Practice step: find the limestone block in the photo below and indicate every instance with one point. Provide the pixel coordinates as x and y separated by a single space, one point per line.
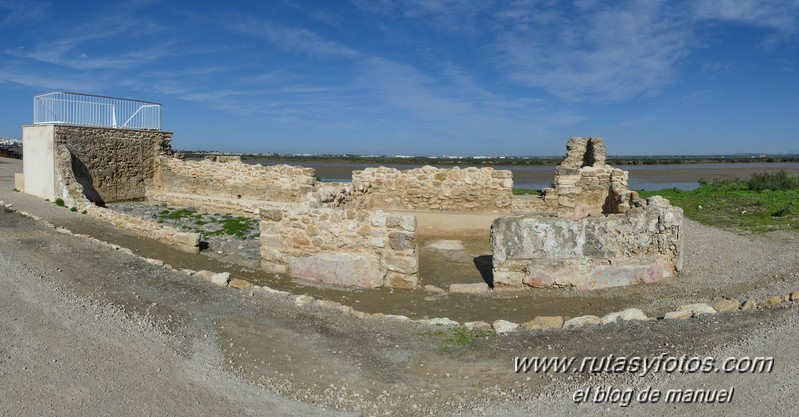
475 288
19 182
504 326
221 278
273 267
582 321
402 241
770 302
434 289
240 283
354 269
439 321
544 323
723 306
477 326
206 275
625 315
406 222
697 309
678 315
402 281
400 263
187 239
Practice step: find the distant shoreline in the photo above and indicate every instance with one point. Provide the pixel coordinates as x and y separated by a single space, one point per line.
507 160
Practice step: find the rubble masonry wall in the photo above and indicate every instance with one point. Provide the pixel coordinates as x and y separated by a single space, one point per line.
228 184
433 189
361 248
642 245
106 165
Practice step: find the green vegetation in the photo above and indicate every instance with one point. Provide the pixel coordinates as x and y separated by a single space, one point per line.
73 209
211 225
15 190
456 337
765 202
60 202
526 191
176 214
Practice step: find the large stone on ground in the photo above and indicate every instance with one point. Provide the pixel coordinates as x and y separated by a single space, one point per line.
476 288
477 326
581 321
771 301
544 323
626 315
679 315
697 309
187 239
353 269
504 326
401 281
725 305
240 283
221 279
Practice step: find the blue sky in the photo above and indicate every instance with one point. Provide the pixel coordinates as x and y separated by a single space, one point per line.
455 77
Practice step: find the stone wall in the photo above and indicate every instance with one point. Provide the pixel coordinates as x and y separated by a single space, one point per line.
546 204
187 242
228 182
642 245
360 248
105 165
429 188
585 185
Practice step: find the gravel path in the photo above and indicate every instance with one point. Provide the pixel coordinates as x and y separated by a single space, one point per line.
63 354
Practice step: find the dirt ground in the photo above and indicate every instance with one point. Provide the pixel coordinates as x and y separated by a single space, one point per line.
89 330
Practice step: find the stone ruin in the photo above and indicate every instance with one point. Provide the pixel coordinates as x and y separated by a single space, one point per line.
603 235
589 231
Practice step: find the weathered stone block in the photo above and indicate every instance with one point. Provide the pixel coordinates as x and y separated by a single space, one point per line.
187 239
354 269
476 288
405 222
402 241
401 281
400 263
544 323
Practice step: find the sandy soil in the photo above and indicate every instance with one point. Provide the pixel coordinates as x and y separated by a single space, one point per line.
88 330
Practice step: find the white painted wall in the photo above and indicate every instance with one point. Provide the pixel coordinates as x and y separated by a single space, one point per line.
38 161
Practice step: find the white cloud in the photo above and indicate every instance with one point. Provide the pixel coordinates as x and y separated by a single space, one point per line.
456 16
780 16
602 54
20 12
292 39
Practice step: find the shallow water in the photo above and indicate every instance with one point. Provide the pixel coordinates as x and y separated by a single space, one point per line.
642 177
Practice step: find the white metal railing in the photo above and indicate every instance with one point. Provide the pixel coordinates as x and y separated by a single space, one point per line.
91 110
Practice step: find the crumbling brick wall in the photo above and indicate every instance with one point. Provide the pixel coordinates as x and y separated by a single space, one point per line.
361 248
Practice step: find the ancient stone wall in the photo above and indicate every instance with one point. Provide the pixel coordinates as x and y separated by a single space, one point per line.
429 188
361 248
546 204
105 165
642 245
228 179
585 185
